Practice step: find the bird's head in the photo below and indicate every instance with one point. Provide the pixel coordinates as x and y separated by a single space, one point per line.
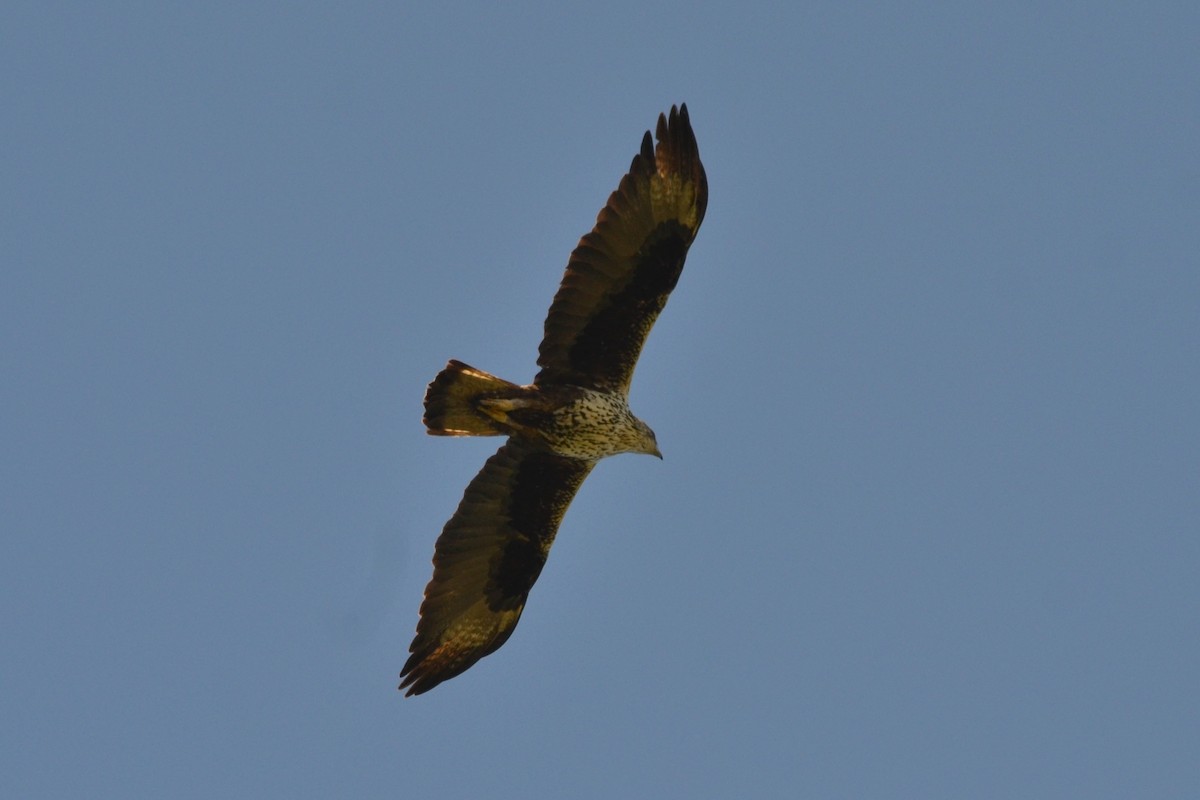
645 441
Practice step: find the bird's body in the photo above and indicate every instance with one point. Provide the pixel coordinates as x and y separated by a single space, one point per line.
575 413
571 421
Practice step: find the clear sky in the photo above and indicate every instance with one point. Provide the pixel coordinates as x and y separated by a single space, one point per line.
928 393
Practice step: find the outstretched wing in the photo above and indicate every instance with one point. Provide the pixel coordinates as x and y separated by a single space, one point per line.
620 274
487 558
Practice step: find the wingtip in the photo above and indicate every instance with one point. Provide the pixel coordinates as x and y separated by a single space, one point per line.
677 115
676 127
416 678
673 131
421 672
674 119
412 687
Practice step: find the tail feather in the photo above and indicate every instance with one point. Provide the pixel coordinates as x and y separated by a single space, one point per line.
451 401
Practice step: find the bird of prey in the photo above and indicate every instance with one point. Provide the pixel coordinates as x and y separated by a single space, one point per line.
573 414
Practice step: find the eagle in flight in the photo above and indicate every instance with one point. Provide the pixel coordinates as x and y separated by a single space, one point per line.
574 413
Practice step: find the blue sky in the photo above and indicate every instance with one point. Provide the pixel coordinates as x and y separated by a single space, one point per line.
927 393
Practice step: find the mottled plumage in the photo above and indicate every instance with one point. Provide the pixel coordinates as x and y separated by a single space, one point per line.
573 414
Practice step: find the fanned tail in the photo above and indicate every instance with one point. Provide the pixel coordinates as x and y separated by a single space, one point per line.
452 401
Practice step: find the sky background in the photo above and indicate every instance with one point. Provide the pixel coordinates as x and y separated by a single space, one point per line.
928 392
